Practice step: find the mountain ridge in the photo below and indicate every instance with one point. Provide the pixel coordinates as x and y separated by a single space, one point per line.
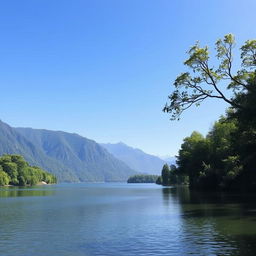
71 157
136 158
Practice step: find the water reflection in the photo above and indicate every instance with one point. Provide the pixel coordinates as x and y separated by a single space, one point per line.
25 191
215 223
124 220
167 195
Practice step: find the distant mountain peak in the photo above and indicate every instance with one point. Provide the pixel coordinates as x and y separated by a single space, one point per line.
136 158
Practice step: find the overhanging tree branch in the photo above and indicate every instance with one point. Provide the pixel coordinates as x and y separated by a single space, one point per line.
192 88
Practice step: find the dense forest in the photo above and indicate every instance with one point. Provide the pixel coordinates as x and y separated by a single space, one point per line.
14 170
225 158
142 178
171 175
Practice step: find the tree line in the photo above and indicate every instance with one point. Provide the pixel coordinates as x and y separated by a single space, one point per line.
142 178
225 158
14 170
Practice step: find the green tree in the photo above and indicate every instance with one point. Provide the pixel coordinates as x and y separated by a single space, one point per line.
244 145
193 154
216 161
173 175
4 178
159 180
19 161
11 169
19 172
204 81
165 175
226 157
142 178
220 140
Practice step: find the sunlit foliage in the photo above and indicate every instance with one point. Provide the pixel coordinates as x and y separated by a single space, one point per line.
14 170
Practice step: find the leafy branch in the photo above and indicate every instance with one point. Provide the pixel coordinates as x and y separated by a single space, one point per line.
204 81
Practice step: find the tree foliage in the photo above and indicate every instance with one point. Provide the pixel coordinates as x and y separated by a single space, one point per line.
4 178
215 161
143 178
171 176
14 170
165 175
205 81
226 157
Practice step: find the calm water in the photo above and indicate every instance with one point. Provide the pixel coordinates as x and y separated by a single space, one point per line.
124 219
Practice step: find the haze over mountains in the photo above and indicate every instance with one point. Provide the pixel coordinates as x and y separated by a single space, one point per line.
73 158
136 158
168 159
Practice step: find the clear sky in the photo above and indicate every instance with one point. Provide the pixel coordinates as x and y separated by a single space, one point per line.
103 68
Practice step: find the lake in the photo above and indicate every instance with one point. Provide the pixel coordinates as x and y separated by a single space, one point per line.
124 219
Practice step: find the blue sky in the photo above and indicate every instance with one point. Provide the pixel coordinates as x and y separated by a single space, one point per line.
103 69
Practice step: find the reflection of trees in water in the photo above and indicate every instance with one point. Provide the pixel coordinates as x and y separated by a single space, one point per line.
215 223
166 192
179 194
14 192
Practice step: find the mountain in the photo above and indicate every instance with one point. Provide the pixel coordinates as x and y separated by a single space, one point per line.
70 157
136 158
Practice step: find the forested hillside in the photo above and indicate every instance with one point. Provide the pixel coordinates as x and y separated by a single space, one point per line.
72 158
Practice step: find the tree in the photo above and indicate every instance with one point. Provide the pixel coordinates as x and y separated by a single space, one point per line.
159 180
11 169
142 178
224 159
194 153
244 141
220 140
4 178
19 161
15 170
173 178
165 175
205 81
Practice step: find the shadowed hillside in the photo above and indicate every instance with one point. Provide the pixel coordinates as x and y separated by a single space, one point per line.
70 157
